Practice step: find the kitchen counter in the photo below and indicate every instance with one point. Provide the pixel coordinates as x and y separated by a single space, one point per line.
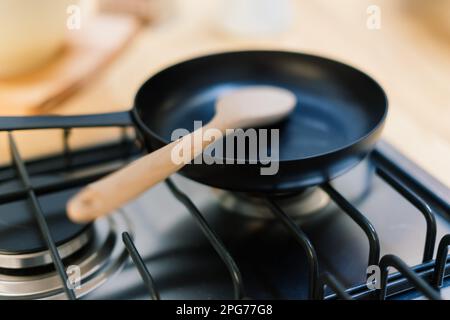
408 57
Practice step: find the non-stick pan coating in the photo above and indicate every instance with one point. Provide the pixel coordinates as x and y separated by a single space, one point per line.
338 118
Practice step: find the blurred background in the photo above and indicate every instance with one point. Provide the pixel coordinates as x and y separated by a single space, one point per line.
90 56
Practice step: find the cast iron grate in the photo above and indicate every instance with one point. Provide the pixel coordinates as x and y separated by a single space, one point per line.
426 277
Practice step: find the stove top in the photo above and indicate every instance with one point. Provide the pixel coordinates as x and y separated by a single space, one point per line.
184 240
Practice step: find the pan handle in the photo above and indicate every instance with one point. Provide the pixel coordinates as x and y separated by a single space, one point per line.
114 119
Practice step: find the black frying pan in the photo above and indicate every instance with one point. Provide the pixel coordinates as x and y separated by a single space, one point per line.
339 118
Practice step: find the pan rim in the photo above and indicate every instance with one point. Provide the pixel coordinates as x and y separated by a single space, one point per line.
378 127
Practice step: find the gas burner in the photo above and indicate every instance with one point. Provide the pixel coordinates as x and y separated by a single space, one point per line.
20 262
101 258
299 206
94 251
22 245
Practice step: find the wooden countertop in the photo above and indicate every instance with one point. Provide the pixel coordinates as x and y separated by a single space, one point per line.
409 59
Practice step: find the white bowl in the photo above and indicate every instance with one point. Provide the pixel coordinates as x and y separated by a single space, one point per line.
31 32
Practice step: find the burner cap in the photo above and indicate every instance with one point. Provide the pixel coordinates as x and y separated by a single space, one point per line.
19 231
97 262
299 205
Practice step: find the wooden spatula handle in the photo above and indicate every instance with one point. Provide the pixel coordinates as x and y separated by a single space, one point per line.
115 190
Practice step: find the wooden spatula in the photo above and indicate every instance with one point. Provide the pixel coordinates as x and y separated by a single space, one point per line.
243 108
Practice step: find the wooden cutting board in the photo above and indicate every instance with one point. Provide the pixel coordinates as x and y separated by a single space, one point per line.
88 50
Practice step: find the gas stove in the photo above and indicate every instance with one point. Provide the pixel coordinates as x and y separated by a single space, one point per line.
184 240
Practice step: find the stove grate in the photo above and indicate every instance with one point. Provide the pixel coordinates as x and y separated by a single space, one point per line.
426 277
420 204
39 216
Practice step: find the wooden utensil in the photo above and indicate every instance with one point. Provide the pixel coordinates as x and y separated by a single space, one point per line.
247 107
87 51
147 10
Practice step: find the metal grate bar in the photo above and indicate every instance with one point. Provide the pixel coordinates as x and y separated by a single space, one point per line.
360 219
213 239
40 219
420 204
441 259
420 284
302 239
124 138
54 186
80 159
140 265
402 168
59 165
331 282
66 147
